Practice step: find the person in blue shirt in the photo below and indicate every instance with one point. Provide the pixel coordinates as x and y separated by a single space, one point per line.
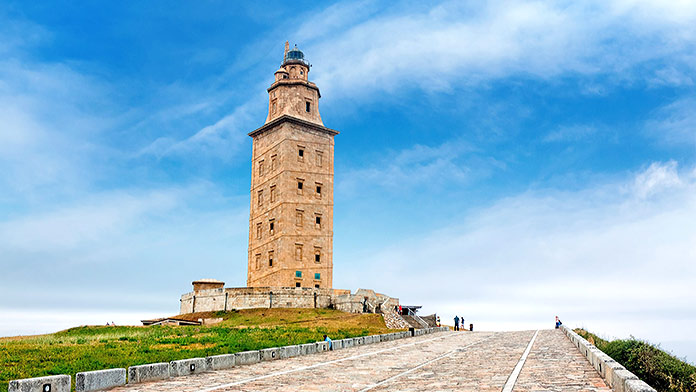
328 339
456 323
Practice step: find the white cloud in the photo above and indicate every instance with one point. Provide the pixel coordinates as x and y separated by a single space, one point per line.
621 252
454 44
675 123
78 226
47 131
657 178
571 133
129 249
446 164
221 139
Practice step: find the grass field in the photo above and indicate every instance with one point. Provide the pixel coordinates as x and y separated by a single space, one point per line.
101 347
659 369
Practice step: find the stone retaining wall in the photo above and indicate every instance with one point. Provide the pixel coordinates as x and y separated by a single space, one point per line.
224 299
620 379
101 379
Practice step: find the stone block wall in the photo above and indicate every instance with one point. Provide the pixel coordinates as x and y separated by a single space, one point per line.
285 297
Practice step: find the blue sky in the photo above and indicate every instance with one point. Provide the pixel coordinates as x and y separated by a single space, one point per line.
506 161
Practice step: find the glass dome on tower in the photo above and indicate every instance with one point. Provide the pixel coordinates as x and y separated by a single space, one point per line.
295 56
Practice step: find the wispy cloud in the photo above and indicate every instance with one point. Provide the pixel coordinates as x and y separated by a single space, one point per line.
220 140
675 123
572 133
459 44
53 118
447 164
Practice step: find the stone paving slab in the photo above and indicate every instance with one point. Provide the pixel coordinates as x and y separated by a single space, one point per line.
446 361
555 364
480 367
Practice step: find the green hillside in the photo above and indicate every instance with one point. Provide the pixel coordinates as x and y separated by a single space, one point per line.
102 347
660 370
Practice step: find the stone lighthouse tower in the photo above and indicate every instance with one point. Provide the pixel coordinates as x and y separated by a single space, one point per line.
291 214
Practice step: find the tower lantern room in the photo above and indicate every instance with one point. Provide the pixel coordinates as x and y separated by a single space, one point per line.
292 93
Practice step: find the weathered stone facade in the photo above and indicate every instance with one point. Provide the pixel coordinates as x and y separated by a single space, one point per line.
291 214
225 299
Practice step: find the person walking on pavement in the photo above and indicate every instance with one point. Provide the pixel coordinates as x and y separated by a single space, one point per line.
456 323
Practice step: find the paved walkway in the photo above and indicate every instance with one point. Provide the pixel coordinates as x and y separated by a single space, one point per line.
447 361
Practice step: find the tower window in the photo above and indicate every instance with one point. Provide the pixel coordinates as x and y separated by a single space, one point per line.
270 258
274 158
300 185
317 222
298 284
316 286
298 218
298 274
300 154
260 198
319 156
258 261
274 107
273 193
308 107
298 251
261 168
319 189
258 231
317 276
317 258
271 227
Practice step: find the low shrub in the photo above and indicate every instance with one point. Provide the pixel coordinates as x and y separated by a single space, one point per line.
661 370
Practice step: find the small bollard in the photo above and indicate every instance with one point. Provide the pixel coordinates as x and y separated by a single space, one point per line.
471 327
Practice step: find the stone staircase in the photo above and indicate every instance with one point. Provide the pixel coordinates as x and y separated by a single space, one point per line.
415 321
431 320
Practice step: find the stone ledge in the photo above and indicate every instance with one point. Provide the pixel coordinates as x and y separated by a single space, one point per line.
220 362
148 372
99 379
620 379
40 384
247 357
270 354
185 367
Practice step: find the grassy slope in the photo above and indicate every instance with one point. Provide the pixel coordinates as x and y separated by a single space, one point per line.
101 347
659 369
